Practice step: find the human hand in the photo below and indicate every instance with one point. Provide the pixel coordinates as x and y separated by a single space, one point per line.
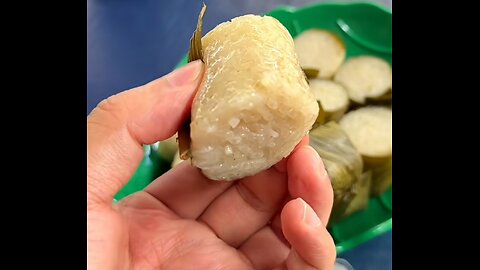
273 220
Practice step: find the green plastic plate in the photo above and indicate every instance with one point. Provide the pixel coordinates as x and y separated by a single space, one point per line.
153 165
366 29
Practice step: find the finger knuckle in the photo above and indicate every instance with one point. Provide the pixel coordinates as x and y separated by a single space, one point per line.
108 112
110 104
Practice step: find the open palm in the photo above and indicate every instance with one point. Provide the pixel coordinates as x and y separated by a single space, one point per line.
275 219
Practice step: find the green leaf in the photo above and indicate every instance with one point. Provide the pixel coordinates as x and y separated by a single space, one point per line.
310 72
195 52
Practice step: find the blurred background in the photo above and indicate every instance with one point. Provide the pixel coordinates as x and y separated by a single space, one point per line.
132 42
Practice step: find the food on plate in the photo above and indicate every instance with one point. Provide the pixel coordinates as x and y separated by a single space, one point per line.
342 161
365 77
321 51
332 96
370 130
381 178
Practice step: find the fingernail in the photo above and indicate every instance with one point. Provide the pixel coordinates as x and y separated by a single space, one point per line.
309 216
315 155
318 162
185 75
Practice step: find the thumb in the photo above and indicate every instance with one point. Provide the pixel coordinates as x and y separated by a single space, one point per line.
119 126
